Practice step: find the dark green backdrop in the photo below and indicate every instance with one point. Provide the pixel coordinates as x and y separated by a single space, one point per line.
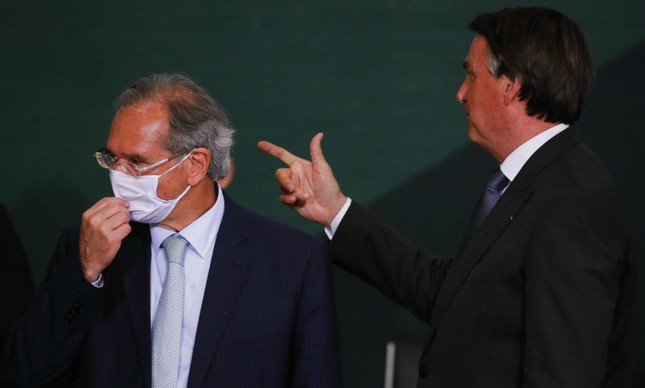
378 77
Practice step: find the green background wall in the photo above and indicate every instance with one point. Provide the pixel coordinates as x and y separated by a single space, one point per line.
378 77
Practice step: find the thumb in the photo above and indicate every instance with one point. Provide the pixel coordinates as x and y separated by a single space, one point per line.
315 150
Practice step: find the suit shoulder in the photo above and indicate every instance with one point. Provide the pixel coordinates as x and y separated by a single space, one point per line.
261 227
274 229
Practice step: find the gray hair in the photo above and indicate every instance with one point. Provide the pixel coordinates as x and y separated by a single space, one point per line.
195 118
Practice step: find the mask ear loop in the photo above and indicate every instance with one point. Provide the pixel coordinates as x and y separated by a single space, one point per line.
176 200
182 194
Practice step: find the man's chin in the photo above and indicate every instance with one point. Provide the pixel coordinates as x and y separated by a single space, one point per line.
472 135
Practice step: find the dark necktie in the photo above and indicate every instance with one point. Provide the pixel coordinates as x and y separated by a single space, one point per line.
491 194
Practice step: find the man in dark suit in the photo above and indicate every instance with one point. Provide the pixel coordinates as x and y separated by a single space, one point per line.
249 299
541 293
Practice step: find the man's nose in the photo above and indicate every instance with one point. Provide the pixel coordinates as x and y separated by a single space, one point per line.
461 93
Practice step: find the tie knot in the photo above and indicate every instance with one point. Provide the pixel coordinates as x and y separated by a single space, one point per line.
175 246
498 181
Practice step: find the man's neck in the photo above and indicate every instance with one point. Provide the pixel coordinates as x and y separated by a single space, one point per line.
193 205
525 129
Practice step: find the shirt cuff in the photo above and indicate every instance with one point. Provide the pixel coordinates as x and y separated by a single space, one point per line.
330 230
98 283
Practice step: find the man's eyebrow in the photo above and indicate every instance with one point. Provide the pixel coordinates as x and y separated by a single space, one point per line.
134 158
465 65
130 157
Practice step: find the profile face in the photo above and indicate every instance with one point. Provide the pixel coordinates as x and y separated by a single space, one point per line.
482 96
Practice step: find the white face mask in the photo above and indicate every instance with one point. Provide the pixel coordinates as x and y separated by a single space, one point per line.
141 193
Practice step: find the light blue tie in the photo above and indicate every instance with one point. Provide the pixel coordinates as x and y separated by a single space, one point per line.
166 328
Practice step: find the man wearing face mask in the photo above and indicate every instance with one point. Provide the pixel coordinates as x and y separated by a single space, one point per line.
170 283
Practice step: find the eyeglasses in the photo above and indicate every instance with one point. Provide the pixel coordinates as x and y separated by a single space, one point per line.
109 161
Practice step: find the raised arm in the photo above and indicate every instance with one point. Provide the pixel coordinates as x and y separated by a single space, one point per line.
308 187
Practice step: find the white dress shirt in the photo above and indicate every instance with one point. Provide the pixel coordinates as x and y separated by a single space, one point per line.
201 236
514 162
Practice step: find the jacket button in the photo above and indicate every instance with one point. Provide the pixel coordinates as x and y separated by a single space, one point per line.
423 371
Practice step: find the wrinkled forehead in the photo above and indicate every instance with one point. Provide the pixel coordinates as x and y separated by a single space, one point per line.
139 129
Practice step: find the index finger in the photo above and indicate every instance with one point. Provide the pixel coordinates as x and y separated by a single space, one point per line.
105 203
277 152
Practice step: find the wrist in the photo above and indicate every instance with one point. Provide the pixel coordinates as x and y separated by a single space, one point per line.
336 208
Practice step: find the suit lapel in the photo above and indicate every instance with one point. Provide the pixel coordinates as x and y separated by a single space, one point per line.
134 259
230 263
502 215
498 220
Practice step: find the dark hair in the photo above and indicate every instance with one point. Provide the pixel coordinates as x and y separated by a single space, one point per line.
547 51
195 118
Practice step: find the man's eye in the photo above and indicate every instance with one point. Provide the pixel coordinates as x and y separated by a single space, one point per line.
136 162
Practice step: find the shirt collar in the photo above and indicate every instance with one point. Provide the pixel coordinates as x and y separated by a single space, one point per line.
200 234
514 162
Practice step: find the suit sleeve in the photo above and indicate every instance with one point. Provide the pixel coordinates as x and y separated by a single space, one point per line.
316 362
371 250
46 340
576 277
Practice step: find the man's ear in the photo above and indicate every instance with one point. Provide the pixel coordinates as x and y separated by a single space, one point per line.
511 89
200 160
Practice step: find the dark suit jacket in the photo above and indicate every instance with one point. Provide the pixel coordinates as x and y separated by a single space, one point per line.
16 286
267 318
540 296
